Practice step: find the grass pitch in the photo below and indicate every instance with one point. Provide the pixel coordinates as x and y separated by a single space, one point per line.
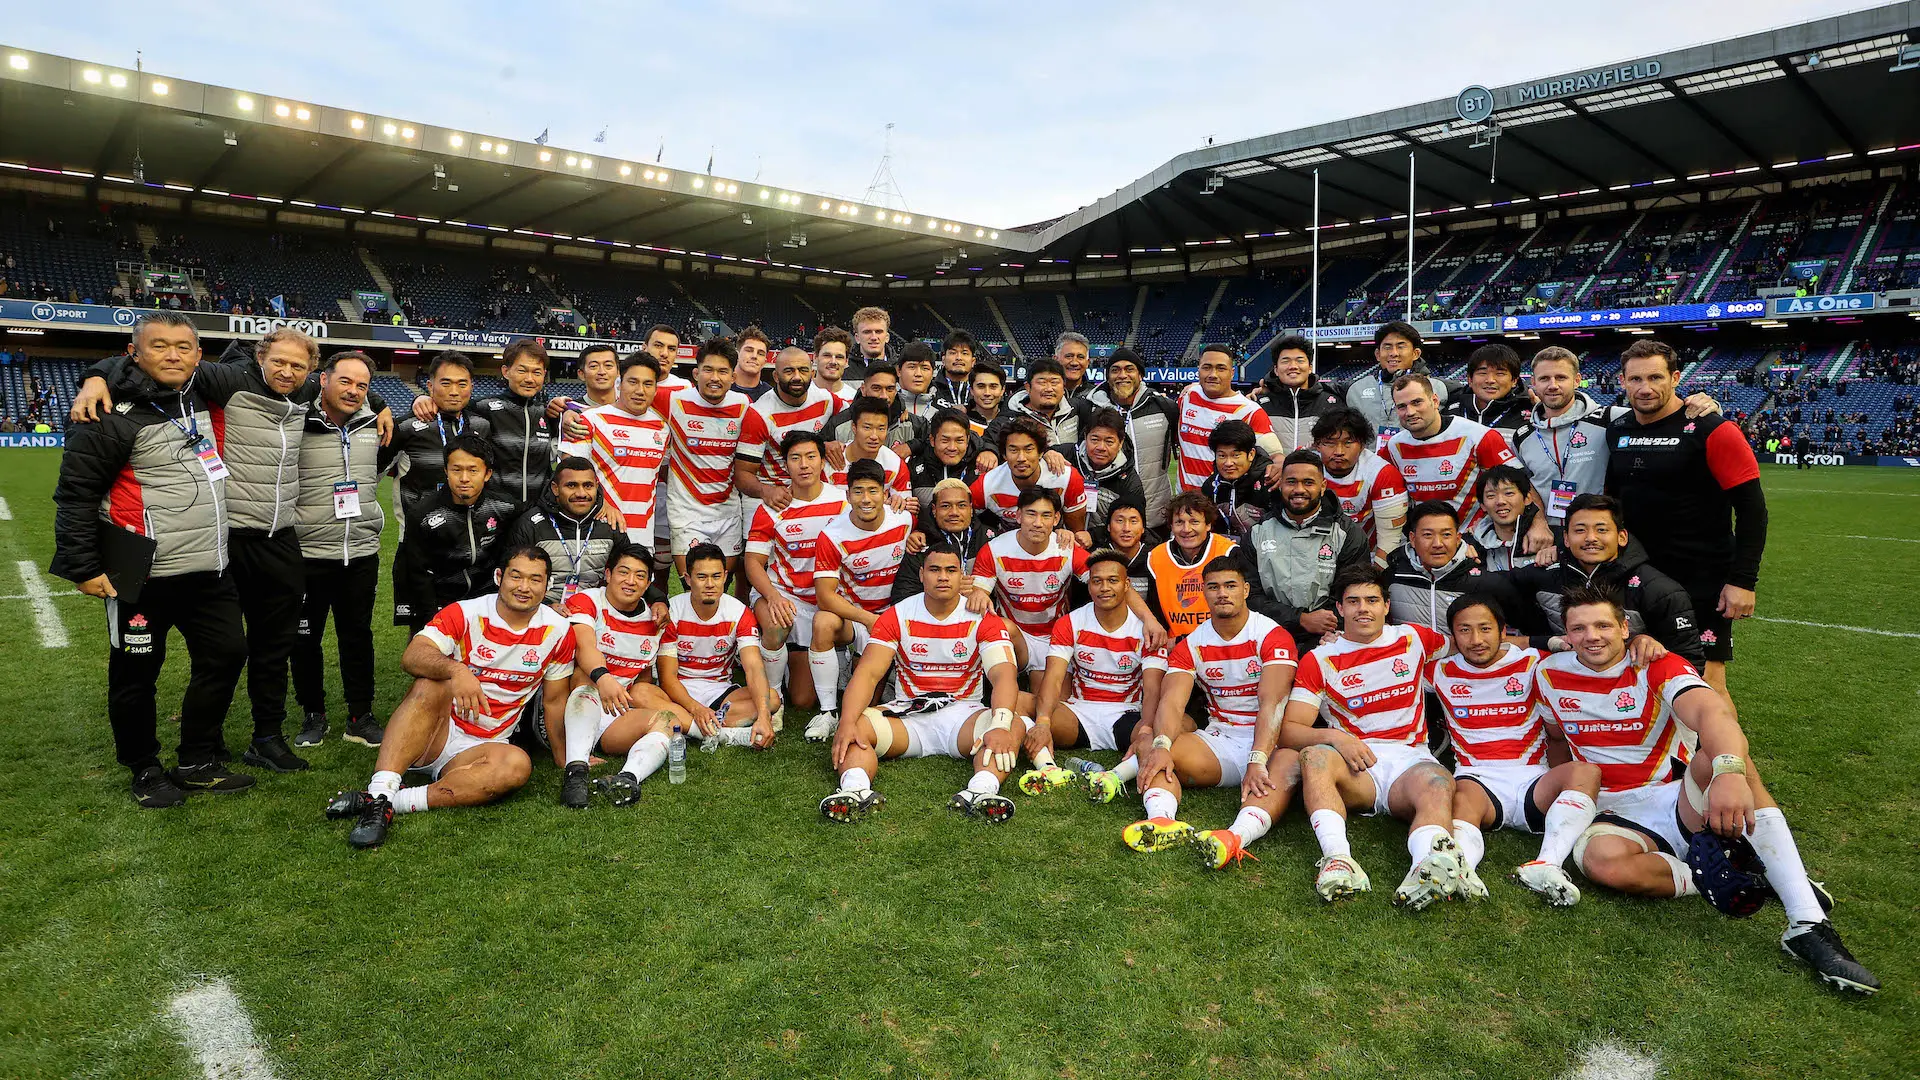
721 929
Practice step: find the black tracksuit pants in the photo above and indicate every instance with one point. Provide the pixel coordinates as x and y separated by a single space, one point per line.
205 608
344 589
267 571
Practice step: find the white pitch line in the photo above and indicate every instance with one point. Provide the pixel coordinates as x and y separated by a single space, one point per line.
1837 626
54 595
53 632
6 512
1609 1060
1889 539
1840 491
215 1026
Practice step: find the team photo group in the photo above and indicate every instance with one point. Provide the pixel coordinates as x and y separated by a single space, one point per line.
1503 603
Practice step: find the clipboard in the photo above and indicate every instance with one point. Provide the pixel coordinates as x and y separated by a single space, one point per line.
127 558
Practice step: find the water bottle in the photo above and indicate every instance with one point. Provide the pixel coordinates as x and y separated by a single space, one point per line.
677 757
713 742
1082 765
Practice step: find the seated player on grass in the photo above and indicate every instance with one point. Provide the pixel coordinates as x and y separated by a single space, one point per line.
1513 770
475 666
707 633
1713 829
1244 663
1372 755
949 659
1100 678
615 701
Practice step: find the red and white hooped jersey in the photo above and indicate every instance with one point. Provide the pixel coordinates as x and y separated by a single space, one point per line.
770 419
706 649
863 563
510 664
1373 690
1034 588
702 440
1374 486
786 538
996 490
1199 415
629 643
629 454
1446 466
1491 711
1104 665
939 656
1230 667
1620 719
890 461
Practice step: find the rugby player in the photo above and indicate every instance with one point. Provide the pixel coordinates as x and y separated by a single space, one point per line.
627 443
1029 571
831 347
1244 662
1372 755
1204 405
707 633
475 667
868 442
855 560
1369 487
599 368
704 427
1513 769
780 553
1659 835
616 701
793 404
1441 456
997 490
1100 678
949 658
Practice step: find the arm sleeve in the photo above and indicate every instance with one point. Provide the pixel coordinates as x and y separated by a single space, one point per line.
1181 658
826 558
447 630
886 630
580 610
1076 496
1061 644
1749 531
983 570
1493 450
89 463
760 538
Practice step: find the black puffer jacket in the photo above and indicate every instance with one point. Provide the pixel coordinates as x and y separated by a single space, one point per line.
1503 414
451 550
1118 482
522 443
1656 604
420 451
1293 410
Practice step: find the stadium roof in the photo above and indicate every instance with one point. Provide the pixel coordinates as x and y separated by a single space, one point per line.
1749 110
1759 106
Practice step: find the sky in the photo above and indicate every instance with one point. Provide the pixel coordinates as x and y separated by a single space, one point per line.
1004 112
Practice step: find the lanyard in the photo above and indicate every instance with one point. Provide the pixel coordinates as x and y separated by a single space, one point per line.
572 556
1553 451
459 427
191 429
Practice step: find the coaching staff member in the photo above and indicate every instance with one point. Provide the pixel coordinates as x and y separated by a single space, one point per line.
150 468
1691 491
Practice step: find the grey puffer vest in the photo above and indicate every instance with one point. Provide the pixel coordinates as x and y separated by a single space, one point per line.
332 455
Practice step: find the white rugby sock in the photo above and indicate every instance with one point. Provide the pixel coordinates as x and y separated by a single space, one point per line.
855 780
1472 844
580 739
410 800
1420 841
776 661
1330 828
1159 802
1785 872
1128 768
1251 824
1682 875
384 783
825 668
984 783
647 755
1567 818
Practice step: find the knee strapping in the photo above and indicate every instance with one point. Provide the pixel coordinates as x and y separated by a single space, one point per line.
882 731
1603 828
